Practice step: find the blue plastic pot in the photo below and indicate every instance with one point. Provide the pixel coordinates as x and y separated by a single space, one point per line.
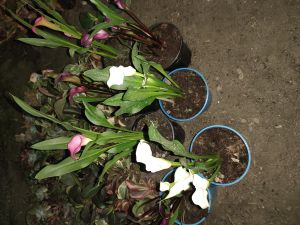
243 139
210 200
201 110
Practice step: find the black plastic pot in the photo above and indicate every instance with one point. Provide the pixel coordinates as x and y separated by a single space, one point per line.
174 53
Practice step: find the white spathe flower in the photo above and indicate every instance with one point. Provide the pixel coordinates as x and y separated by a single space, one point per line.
182 180
144 155
199 197
117 74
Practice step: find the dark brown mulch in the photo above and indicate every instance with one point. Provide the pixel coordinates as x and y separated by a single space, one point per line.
171 40
194 95
230 147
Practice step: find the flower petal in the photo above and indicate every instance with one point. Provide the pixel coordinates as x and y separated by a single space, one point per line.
164 186
101 35
116 76
129 71
143 152
154 164
74 145
199 197
200 182
181 174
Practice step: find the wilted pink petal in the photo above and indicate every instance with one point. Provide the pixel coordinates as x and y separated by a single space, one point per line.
75 144
121 4
164 222
42 21
101 35
115 28
86 40
74 91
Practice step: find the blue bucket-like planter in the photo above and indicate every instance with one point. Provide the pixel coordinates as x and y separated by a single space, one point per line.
202 109
210 200
244 141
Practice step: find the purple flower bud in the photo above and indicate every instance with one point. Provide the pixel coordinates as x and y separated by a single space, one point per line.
164 222
74 91
121 4
101 35
86 41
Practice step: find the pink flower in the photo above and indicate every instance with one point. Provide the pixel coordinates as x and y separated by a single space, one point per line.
121 4
75 144
101 35
74 91
86 40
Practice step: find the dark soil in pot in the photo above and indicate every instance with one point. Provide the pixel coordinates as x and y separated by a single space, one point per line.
190 213
231 149
194 95
173 53
166 130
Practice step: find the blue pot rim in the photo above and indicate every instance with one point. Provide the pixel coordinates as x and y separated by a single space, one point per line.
209 200
206 98
243 139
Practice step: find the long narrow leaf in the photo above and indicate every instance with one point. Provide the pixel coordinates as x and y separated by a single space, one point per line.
40 42
52 144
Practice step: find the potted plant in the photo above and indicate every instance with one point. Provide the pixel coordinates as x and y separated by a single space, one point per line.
161 43
188 213
195 98
232 148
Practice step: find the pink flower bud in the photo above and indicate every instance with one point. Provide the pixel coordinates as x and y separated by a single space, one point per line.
74 91
74 146
101 35
86 41
121 4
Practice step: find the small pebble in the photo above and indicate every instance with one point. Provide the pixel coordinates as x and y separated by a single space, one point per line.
240 73
219 88
278 126
256 120
243 121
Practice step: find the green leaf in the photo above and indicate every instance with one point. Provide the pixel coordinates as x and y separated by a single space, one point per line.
99 75
50 11
52 144
132 107
173 146
135 60
69 165
59 107
115 100
114 18
122 190
138 208
96 116
82 98
127 149
87 20
72 52
40 42
174 216
143 93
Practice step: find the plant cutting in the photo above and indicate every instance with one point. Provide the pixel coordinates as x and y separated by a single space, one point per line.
141 87
232 148
65 35
195 96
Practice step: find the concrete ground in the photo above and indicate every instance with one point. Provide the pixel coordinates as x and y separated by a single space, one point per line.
250 53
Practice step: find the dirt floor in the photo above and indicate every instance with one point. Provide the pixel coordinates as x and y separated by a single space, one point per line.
250 53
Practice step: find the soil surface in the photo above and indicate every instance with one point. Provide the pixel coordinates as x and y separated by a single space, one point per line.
229 146
250 53
171 40
193 92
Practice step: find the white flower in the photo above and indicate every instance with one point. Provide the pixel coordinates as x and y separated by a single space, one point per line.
117 74
144 155
182 180
199 197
